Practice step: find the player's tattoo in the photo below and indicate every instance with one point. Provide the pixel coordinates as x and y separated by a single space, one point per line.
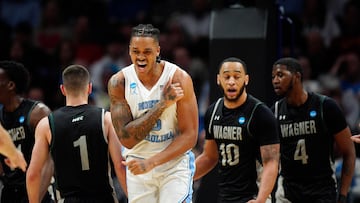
143 128
172 97
114 82
270 152
122 119
120 114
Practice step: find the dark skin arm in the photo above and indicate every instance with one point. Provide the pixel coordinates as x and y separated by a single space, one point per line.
346 148
207 160
270 158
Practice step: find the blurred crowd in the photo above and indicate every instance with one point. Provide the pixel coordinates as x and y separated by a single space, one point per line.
48 35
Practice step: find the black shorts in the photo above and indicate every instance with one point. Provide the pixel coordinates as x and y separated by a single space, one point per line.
315 191
19 195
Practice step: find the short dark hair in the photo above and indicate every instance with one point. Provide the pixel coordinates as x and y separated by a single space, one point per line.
17 73
147 30
292 64
75 77
234 59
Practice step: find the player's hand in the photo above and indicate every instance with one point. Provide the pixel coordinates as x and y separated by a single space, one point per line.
172 93
138 166
356 138
16 161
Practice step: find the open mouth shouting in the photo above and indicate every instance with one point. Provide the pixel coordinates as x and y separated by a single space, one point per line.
231 92
141 66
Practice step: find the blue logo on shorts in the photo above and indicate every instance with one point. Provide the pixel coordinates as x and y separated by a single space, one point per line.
313 113
241 120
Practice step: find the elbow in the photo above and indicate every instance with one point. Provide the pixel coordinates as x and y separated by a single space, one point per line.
119 168
194 139
32 176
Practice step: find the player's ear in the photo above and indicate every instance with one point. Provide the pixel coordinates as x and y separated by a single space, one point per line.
218 79
11 85
89 88
63 91
246 80
298 76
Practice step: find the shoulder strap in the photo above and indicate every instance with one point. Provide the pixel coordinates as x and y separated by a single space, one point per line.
322 99
213 114
251 115
52 129
276 111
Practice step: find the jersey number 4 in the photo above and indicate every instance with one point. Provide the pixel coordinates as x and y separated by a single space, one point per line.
229 154
300 152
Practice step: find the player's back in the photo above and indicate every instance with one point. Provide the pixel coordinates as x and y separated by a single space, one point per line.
79 149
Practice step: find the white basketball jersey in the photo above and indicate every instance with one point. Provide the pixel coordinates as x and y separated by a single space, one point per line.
140 100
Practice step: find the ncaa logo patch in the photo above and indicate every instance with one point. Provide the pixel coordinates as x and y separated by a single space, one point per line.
241 120
313 113
133 86
21 119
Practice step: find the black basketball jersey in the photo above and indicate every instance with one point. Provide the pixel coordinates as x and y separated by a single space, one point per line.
307 137
79 149
17 123
239 133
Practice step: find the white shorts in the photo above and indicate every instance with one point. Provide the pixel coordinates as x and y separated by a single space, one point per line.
171 182
280 193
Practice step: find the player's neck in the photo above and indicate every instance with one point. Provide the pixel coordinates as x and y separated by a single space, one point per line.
150 79
76 101
12 103
297 97
234 104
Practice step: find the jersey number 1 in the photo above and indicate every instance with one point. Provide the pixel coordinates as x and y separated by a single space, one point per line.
81 143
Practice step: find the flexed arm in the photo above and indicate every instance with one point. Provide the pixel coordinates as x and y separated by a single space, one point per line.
130 131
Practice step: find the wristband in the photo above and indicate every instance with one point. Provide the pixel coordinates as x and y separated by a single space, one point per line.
342 198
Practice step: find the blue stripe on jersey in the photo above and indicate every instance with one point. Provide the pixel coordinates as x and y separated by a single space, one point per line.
188 197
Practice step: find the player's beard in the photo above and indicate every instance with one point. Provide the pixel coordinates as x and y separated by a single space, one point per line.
234 99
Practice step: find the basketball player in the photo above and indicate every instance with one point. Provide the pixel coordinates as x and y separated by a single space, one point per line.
19 116
311 124
239 130
155 115
79 138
